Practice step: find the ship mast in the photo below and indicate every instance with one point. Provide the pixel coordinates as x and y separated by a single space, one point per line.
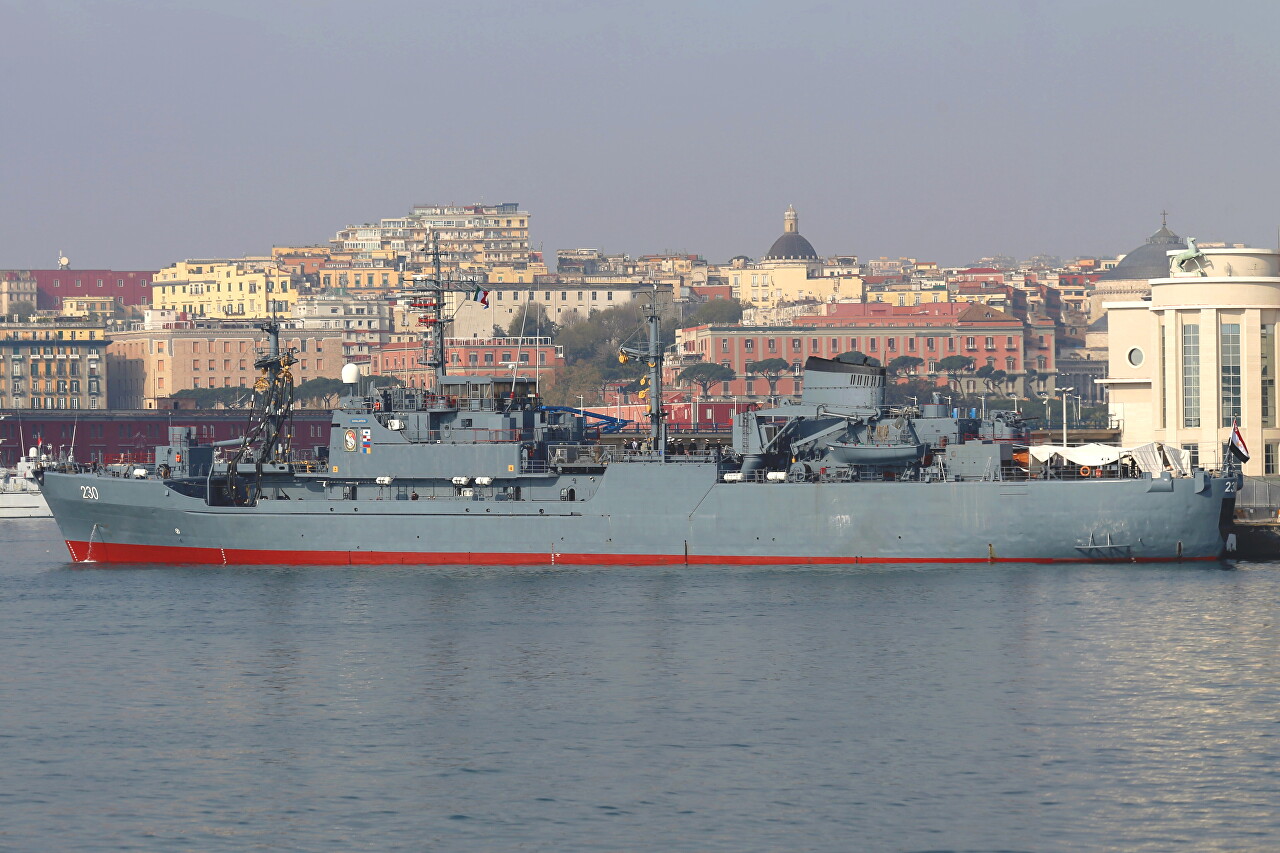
426 299
269 436
653 359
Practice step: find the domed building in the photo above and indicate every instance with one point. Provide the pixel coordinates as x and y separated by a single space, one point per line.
1130 279
791 279
791 246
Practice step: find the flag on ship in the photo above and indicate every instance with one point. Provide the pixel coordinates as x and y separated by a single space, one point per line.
480 295
1238 448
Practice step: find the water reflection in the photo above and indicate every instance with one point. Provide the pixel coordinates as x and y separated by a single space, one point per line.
988 707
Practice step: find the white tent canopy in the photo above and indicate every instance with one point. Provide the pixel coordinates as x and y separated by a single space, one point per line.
1152 457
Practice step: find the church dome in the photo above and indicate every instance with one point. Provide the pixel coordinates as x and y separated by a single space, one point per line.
791 246
1150 260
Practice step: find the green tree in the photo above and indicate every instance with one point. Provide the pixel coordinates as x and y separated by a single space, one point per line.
719 312
905 365
771 369
704 374
23 310
531 320
322 392
216 398
953 366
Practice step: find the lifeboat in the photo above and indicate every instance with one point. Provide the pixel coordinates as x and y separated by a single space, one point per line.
874 454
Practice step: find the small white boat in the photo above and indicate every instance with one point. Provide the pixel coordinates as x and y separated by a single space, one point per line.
20 495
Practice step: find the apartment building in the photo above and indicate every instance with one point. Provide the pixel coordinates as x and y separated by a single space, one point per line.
239 288
150 361
53 365
467 235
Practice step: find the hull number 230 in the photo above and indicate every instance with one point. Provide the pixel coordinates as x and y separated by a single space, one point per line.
89 493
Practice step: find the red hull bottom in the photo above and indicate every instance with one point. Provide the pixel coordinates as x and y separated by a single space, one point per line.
104 552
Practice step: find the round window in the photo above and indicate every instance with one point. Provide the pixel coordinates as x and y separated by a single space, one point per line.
1135 357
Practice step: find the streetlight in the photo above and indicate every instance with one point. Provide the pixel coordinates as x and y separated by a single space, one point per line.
1066 392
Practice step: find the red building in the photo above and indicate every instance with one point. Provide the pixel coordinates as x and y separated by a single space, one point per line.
930 332
126 287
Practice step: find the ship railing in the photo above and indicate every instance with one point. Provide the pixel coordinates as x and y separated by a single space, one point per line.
1071 471
130 457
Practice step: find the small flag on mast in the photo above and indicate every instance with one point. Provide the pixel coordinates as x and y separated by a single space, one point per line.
1238 448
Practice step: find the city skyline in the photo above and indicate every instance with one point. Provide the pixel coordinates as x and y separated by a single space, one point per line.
152 132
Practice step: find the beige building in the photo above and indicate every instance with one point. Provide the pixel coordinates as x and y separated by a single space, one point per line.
562 300
241 288
152 360
1201 355
53 365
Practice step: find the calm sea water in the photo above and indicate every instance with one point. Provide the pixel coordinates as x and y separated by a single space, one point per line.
482 709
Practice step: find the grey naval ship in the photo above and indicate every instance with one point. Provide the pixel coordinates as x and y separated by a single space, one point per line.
475 470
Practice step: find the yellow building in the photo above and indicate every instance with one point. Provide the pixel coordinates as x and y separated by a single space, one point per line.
241 288
97 308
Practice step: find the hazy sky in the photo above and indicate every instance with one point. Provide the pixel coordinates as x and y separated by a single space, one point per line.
140 132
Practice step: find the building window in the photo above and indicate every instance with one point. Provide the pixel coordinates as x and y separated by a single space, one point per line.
795 345
1267 353
773 345
1270 460
1193 455
749 345
1191 375
1230 372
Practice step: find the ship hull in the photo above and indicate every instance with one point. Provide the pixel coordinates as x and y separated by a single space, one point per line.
661 515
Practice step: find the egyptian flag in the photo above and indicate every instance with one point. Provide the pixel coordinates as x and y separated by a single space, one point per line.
1237 446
